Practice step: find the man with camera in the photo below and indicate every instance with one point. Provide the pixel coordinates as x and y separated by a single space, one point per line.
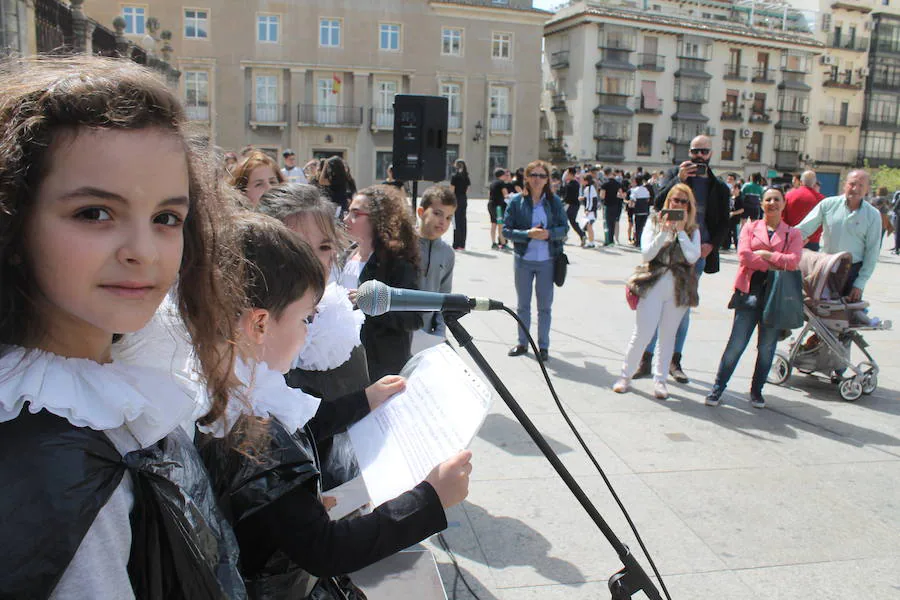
712 197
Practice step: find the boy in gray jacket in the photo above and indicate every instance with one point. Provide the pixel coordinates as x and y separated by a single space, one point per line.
436 257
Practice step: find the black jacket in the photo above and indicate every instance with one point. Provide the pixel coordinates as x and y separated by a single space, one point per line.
388 337
717 209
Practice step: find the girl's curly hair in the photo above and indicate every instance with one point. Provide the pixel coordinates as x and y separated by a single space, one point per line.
394 230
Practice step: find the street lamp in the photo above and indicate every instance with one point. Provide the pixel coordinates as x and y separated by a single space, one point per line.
479 128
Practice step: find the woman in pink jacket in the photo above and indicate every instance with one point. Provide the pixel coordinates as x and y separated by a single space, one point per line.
768 243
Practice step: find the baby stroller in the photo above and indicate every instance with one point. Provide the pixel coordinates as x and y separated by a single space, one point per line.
832 327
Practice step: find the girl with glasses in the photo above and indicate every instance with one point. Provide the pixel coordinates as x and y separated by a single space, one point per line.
666 285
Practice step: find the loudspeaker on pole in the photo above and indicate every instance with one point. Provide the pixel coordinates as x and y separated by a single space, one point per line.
420 137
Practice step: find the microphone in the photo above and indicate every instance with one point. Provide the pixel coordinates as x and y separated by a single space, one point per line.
376 298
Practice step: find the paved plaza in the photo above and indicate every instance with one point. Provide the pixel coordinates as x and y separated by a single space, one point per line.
796 501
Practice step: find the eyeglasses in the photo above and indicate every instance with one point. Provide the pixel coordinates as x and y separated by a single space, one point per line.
356 213
538 175
700 150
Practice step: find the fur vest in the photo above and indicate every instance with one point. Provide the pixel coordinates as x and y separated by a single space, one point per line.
669 258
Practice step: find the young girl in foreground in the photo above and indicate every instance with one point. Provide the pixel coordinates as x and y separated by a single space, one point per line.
105 496
286 538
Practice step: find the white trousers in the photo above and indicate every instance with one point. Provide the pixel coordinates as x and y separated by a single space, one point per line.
657 310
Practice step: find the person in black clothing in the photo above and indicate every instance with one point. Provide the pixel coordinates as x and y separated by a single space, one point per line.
641 198
571 199
336 183
379 221
289 547
390 179
612 206
460 183
735 214
713 203
497 194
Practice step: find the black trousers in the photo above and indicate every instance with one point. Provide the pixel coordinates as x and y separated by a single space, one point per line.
459 222
612 214
639 222
572 214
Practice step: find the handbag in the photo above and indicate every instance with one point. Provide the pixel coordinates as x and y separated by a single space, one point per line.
784 300
631 298
560 267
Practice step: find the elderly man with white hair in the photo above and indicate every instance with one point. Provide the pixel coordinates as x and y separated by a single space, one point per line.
799 202
849 225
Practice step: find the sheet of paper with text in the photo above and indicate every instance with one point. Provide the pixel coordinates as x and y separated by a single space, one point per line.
438 415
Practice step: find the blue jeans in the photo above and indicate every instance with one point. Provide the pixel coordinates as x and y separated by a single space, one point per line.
540 274
745 321
814 246
681 334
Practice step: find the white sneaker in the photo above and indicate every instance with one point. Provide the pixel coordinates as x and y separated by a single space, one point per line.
660 391
621 386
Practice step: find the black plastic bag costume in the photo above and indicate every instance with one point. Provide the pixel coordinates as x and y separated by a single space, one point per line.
273 502
57 477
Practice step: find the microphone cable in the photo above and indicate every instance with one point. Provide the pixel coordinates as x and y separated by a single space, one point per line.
587 451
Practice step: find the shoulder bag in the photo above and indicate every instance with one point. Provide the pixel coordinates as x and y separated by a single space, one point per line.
784 299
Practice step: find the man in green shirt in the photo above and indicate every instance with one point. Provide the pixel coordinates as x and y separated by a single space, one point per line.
849 225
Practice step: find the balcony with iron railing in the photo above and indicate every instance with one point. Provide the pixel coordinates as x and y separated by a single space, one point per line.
198 112
878 159
610 151
616 59
736 72
641 107
324 115
792 119
692 67
267 114
381 118
884 121
607 130
836 156
613 103
849 43
500 123
840 119
559 102
731 113
763 75
651 62
846 79
760 116
559 59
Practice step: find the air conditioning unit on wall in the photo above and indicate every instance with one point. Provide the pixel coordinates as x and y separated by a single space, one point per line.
747 95
745 133
827 59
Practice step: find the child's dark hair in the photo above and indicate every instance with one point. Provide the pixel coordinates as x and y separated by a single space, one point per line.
394 232
44 99
279 267
438 194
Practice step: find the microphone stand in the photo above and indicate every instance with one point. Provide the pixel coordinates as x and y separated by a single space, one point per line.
632 578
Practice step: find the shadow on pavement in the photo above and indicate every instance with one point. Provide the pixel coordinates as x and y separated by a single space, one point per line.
508 435
511 542
454 586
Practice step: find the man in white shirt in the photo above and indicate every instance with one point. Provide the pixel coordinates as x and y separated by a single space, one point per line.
292 173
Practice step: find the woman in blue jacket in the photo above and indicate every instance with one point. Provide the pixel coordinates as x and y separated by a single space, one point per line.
536 223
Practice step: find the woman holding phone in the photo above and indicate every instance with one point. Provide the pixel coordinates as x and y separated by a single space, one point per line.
666 284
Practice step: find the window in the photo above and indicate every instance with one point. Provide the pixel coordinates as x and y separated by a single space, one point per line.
196 95
452 157
501 120
498 157
196 24
330 33
645 139
135 17
754 148
267 98
389 37
451 41
267 28
451 91
327 92
734 58
501 45
383 159
728 144
384 103
730 106
759 104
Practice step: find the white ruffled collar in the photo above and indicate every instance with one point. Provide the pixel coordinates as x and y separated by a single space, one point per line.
149 403
333 334
266 395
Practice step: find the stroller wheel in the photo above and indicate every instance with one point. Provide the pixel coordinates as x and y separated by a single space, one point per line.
851 389
781 368
869 383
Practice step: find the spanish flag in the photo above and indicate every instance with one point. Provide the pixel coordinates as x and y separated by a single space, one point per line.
336 85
